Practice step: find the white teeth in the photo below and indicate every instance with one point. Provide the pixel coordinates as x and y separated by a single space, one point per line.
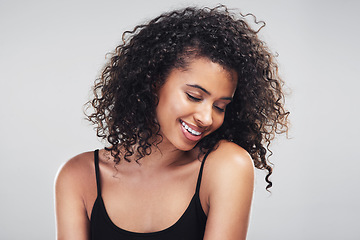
190 130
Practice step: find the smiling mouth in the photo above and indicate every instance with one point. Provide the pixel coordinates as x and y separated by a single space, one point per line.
190 130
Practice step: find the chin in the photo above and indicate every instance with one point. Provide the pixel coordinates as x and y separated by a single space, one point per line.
185 147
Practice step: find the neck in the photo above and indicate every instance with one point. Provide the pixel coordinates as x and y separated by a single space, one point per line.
165 155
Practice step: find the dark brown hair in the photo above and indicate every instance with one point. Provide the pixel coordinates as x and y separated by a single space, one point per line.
125 95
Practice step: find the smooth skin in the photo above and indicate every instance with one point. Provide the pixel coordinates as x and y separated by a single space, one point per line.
151 196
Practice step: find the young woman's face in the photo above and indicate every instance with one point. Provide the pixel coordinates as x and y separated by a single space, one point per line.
192 102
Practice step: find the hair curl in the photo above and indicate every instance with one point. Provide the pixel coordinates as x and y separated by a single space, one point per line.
125 97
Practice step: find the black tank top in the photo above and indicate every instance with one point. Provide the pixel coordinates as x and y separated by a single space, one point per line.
190 226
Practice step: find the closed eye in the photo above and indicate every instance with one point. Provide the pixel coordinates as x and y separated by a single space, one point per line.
220 109
195 99
192 98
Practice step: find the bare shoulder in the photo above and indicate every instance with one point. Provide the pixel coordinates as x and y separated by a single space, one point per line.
75 172
227 165
77 166
74 184
227 191
231 157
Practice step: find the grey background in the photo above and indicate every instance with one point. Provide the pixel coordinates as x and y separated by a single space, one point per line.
51 51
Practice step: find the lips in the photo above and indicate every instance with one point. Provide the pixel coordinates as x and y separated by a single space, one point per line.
191 132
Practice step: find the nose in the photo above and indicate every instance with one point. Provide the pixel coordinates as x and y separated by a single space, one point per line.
204 116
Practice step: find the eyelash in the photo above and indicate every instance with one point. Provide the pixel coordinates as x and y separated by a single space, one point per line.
220 109
195 99
192 98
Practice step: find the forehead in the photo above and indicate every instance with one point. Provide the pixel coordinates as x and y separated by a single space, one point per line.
209 75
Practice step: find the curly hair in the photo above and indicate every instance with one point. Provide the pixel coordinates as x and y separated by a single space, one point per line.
125 95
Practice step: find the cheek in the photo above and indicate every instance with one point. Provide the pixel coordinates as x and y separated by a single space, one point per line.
178 107
218 121
170 106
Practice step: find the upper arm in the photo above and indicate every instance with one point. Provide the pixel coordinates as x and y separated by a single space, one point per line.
230 184
71 217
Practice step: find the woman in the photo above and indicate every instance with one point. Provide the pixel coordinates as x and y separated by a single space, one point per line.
186 103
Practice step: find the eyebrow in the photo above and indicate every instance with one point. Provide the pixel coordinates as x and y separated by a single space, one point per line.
206 91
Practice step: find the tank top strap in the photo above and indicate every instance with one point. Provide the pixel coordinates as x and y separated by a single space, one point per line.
200 172
97 171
